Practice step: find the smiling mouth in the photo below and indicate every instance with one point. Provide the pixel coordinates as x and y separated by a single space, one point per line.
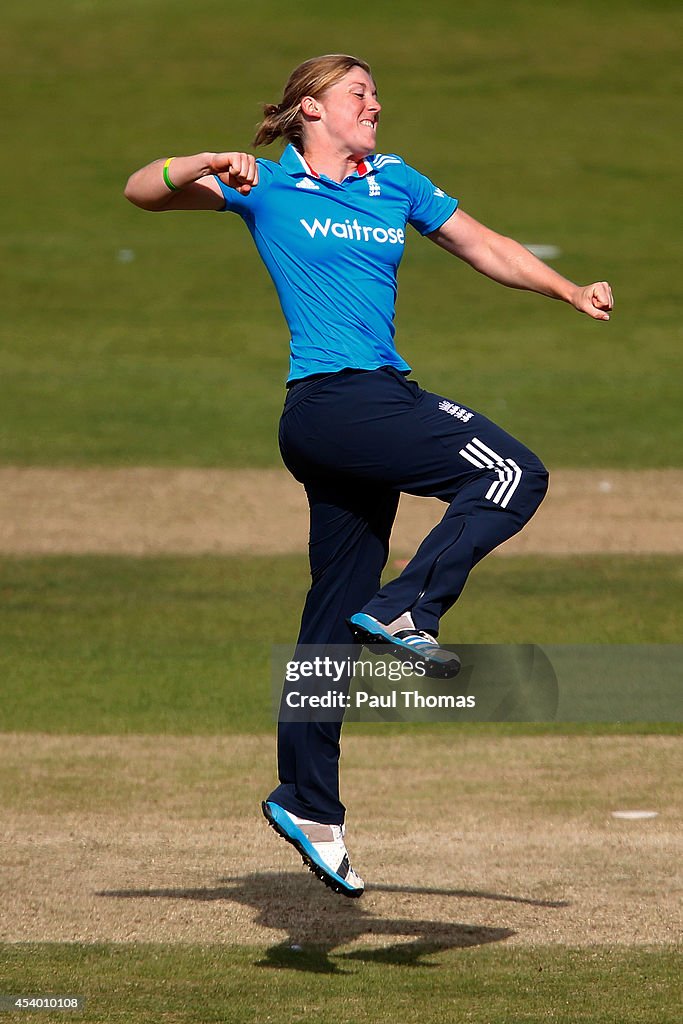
369 124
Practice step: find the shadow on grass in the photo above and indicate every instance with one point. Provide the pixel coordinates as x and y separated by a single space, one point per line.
317 921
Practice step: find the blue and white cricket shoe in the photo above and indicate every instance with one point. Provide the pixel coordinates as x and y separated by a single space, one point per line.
321 846
411 644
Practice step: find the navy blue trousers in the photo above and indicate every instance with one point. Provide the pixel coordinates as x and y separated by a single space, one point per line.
356 440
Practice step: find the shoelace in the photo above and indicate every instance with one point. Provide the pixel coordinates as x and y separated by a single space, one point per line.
416 637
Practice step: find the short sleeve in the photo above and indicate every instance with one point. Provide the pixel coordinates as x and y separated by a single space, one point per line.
235 202
430 206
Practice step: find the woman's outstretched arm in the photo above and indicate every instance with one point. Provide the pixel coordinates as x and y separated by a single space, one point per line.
508 262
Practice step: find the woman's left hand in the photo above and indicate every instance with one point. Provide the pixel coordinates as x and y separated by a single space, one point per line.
595 300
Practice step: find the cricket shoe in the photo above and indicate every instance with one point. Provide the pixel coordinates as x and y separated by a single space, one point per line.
412 644
321 847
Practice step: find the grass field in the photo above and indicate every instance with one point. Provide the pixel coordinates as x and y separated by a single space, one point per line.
482 986
500 884
145 645
135 738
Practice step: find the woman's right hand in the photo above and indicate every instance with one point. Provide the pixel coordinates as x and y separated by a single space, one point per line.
236 170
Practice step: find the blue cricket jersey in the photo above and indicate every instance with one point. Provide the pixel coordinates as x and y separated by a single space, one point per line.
333 251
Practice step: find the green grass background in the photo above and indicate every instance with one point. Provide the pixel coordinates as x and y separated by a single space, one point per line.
128 339
209 984
118 645
551 122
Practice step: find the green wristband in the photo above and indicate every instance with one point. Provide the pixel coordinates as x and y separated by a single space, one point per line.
167 180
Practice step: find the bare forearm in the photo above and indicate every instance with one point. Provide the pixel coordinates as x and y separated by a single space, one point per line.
189 182
506 261
509 263
147 189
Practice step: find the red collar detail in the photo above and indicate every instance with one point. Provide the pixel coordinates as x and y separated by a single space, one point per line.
310 169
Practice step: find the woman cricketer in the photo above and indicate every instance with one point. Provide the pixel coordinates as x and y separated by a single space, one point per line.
329 221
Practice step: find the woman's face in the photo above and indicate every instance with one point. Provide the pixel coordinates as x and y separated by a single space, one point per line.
349 114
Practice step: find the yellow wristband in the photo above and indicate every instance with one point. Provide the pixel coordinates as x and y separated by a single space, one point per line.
167 180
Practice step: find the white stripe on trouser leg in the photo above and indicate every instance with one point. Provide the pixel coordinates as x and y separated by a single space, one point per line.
484 460
496 489
514 484
475 462
508 472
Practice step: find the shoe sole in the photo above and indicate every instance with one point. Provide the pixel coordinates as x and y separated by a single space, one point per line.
380 642
326 875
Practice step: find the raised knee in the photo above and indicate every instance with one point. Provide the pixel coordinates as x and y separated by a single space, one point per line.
542 475
537 478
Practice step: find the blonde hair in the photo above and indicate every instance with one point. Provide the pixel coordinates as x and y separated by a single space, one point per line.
311 78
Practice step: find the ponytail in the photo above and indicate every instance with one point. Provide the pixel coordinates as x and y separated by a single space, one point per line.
277 122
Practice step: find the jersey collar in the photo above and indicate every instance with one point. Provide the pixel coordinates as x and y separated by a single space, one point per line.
295 164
